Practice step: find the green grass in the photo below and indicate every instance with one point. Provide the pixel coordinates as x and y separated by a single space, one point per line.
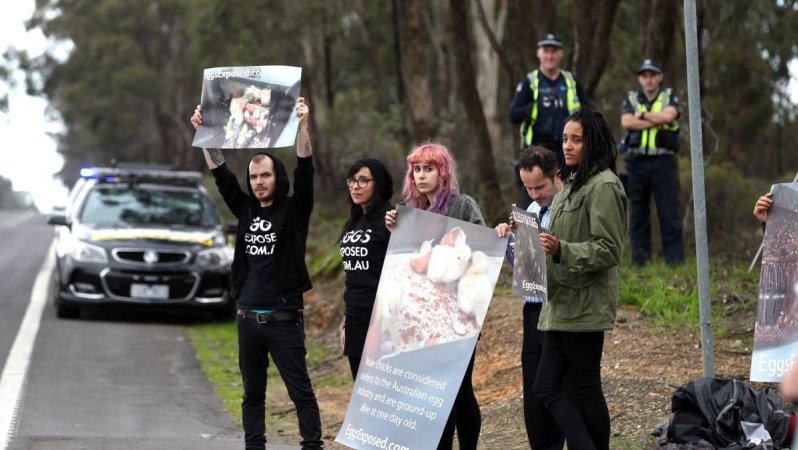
216 345
217 351
669 294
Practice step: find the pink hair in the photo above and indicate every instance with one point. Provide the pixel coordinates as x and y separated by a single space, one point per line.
434 154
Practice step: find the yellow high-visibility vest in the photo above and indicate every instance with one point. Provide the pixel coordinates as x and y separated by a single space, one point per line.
648 140
572 102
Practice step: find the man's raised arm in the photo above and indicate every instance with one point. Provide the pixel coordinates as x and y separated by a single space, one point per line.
303 148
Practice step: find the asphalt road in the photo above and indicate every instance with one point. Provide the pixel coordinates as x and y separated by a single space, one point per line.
119 379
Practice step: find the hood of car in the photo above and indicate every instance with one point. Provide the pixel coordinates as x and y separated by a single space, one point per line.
109 237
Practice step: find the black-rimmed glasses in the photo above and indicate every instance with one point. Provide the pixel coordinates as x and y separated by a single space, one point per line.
361 182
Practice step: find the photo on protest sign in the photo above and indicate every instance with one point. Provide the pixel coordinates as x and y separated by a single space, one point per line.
529 263
248 107
434 291
776 330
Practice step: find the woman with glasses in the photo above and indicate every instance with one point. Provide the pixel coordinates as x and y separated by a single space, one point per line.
364 242
431 184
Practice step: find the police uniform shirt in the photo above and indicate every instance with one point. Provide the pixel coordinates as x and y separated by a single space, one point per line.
552 109
261 288
627 107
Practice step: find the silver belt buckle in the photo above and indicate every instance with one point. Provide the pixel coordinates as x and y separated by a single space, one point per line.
262 318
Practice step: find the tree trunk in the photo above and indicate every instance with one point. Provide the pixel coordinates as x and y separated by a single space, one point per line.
419 97
521 38
468 88
315 80
487 60
369 38
658 21
434 20
592 20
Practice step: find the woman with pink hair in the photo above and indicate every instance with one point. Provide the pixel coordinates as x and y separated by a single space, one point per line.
431 184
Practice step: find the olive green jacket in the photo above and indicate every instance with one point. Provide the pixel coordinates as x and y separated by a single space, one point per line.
583 278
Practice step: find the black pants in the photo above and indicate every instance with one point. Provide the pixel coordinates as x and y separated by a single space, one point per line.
465 416
285 341
581 412
541 429
655 176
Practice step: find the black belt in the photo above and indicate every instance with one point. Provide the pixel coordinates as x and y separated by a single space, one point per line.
274 316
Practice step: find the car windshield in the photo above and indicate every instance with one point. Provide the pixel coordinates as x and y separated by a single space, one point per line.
148 206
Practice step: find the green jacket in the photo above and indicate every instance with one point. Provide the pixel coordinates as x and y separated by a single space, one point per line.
583 278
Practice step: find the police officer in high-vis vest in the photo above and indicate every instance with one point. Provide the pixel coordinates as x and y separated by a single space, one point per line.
650 119
543 100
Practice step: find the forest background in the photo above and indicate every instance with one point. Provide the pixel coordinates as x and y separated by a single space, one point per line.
383 75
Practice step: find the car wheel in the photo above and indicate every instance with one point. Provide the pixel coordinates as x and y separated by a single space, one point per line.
63 311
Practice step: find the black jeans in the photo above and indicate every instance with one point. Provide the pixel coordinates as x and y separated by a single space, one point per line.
541 429
655 176
465 416
285 341
581 412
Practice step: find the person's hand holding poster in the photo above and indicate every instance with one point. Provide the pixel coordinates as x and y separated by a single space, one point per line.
529 267
248 107
436 284
776 330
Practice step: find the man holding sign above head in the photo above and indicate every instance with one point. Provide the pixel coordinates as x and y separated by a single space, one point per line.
540 174
269 279
248 107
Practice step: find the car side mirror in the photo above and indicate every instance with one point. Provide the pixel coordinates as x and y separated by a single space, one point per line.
58 219
231 227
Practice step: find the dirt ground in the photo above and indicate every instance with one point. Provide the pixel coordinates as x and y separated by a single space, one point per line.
642 366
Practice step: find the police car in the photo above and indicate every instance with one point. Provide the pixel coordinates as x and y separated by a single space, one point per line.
145 236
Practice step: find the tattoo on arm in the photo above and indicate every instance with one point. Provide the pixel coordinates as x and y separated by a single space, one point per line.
216 156
308 148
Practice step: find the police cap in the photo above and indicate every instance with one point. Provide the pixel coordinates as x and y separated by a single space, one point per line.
550 40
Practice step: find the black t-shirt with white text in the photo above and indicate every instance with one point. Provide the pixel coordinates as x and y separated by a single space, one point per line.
363 248
262 287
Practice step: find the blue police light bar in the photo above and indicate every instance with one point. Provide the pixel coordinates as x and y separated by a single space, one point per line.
142 174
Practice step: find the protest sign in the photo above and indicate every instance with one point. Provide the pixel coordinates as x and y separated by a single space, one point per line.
529 266
436 284
776 331
248 107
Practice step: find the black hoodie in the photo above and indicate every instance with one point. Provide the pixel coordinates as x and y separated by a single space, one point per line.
290 251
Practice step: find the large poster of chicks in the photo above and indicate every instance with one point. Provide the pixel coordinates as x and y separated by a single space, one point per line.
776 328
436 284
248 107
529 265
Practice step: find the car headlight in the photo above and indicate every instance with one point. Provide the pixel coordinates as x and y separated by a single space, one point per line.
85 252
218 256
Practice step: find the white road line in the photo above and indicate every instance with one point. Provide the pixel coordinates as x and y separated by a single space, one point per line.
12 380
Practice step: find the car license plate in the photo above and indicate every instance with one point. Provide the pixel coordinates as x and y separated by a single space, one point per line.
158 291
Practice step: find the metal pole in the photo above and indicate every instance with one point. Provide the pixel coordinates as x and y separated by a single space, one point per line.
699 199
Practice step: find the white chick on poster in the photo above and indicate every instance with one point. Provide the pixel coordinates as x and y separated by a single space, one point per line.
449 258
475 289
